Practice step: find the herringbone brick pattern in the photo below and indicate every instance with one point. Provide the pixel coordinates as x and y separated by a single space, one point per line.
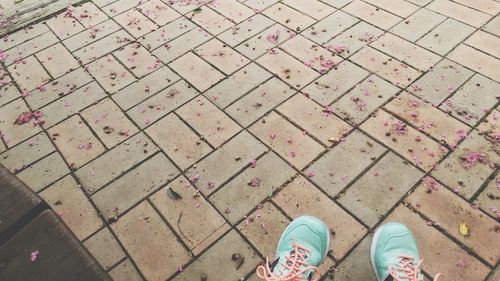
171 134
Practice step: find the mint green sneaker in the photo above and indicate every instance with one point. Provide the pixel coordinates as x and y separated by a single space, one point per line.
394 254
302 248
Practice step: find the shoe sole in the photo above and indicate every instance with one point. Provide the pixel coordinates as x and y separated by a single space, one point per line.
328 241
375 239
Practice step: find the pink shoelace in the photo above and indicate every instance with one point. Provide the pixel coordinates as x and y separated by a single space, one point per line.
409 270
296 265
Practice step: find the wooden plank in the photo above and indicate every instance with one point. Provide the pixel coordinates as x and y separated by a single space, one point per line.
62 257
24 12
17 199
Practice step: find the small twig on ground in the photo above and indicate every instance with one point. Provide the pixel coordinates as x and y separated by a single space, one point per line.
180 230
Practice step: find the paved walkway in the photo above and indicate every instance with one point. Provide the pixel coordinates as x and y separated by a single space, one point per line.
172 135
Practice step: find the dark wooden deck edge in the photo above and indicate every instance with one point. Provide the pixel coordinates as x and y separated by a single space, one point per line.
22 222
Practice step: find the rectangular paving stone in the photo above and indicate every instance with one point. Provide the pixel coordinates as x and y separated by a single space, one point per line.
216 261
13 132
30 47
418 24
259 101
71 104
158 12
288 141
8 93
150 243
64 26
327 28
337 3
415 146
245 30
58 88
239 196
428 237
44 172
125 271
115 162
485 42
344 162
264 227
313 8
182 44
134 186
91 35
457 211
237 85
232 10
185 7
108 122
467 177
489 126
224 58
264 41
311 54
166 33
292 19
335 83
326 127
473 100
67 199
193 218
104 247
145 87
196 71
57 60
110 74
219 166
88 14
357 266
396 72
118 7
406 52
372 14
440 82
428 119
477 61
295 202
135 23
398 7
103 46
75 141
23 35
355 38
24 154
391 176
459 12
355 106
28 74
137 59
161 104
488 199
290 70
493 26
420 3
487 6
259 5
184 147
445 36
209 121
211 21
